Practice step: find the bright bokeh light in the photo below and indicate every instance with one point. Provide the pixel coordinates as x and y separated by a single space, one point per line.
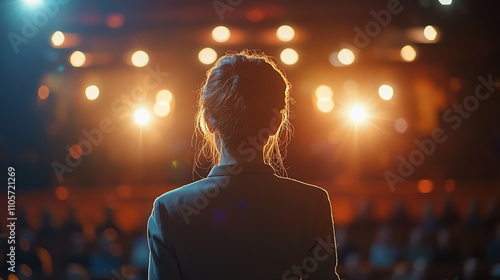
142 116
57 39
221 34
43 92
385 92
92 92
408 53
75 151
33 2
139 58
346 56
357 114
207 56
161 108
325 105
77 59
445 2
430 33
164 95
400 125
289 56
285 33
324 92
425 186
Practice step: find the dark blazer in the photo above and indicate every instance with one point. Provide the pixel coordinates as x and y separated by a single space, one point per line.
242 222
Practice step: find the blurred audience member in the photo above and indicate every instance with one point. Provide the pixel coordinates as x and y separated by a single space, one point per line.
470 269
473 220
444 253
106 259
344 246
417 248
109 222
429 222
493 216
493 247
400 216
353 269
449 217
139 256
71 224
383 253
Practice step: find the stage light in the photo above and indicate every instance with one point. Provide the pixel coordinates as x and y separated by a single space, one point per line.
325 105
385 92
207 56
139 58
285 33
43 92
346 56
164 95
92 92
33 2
142 116
161 108
400 125
357 114
324 92
430 33
57 39
289 56
408 53
425 186
77 59
445 2
221 34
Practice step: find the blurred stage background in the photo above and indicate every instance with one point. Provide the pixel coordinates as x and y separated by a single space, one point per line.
396 115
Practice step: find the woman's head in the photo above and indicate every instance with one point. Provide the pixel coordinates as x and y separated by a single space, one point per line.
244 104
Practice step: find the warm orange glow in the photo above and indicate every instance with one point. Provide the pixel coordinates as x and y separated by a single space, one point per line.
115 20
43 92
62 193
12 277
255 15
75 151
425 186
124 191
26 270
449 185
358 114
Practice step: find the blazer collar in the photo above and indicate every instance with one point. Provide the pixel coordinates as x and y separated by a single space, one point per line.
237 169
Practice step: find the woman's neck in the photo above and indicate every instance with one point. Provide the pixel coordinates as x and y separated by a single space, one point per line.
249 155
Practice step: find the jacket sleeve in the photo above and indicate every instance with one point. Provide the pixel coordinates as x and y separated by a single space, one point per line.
163 263
321 262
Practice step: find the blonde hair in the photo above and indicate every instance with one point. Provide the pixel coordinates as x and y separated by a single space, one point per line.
232 99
